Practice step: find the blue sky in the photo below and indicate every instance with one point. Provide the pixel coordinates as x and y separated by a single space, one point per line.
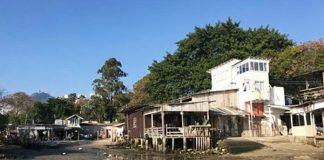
58 45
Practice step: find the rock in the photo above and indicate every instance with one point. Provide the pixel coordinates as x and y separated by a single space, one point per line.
63 153
79 148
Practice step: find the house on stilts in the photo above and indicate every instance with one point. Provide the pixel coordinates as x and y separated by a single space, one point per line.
307 118
240 103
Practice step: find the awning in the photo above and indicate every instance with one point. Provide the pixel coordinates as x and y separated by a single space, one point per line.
229 111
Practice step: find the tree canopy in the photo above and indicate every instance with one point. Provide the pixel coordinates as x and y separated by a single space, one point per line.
110 89
184 71
296 60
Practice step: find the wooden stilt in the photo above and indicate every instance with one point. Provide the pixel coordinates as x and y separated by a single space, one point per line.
163 133
196 143
172 144
164 144
323 117
184 143
208 142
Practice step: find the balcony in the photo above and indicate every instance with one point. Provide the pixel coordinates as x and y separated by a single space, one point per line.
190 131
312 93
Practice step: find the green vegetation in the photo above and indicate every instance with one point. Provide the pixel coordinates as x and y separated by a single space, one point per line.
110 91
184 71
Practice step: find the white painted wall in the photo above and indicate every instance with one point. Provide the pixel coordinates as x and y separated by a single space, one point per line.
277 96
226 76
222 75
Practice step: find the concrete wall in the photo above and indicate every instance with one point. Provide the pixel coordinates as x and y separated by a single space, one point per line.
222 75
226 76
277 96
303 131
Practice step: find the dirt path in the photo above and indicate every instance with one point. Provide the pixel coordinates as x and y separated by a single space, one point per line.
243 148
276 148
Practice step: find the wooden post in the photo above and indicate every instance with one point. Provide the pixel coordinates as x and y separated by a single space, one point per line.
172 144
196 143
306 84
208 142
144 125
184 143
305 120
152 120
183 134
146 144
291 123
164 144
154 143
323 78
163 133
323 118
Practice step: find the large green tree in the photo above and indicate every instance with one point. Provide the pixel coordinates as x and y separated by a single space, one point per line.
41 113
184 71
110 88
140 96
60 107
21 103
286 65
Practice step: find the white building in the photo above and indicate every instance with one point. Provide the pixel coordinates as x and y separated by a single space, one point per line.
250 77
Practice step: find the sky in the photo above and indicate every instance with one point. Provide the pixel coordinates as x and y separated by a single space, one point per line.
57 46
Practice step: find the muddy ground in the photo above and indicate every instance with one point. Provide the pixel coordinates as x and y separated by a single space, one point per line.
240 148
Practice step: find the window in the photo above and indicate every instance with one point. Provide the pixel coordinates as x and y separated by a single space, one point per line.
134 122
259 86
246 66
245 86
261 66
252 65
265 66
256 66
243 68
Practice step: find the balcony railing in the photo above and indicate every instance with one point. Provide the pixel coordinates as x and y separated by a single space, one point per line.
197 131
154 132
178 132
312 93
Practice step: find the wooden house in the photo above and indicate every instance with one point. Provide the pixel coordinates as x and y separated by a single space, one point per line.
307 118
169 126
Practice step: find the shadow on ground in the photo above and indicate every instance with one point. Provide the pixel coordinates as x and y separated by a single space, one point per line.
239 145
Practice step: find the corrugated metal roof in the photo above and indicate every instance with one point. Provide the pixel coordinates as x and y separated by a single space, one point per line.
229 111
